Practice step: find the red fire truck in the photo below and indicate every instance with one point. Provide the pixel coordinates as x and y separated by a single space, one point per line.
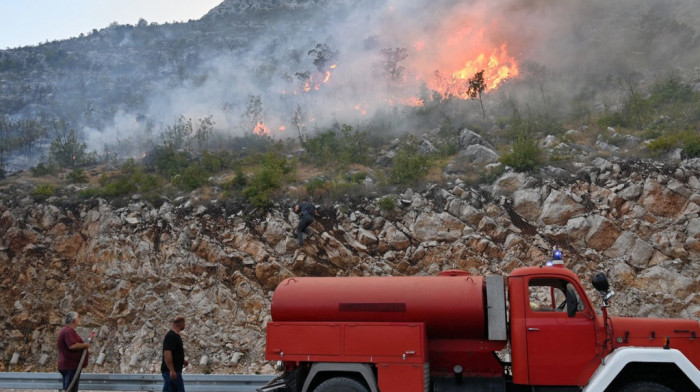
535 330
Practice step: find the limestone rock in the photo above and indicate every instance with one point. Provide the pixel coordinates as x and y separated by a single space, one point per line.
558 208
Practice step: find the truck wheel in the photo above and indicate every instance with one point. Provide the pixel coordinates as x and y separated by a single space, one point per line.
644 386
340 384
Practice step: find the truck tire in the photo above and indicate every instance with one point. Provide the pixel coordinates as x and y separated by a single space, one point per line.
340 384
644 386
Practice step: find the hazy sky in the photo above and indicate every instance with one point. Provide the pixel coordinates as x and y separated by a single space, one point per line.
31 22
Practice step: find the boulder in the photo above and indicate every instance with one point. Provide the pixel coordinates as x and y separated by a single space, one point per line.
559 207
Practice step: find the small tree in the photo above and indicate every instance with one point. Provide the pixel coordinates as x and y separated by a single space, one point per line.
476 86
324 56
391 64
205 128
636 108
253 114
66 150
299 120
177 136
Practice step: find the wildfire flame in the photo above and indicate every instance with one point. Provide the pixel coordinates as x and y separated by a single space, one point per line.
445 60
260 129
328 73
361 108
496 64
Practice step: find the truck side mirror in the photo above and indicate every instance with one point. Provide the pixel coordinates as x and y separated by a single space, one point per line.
600 283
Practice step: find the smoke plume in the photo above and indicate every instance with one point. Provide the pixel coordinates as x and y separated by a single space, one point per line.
318 63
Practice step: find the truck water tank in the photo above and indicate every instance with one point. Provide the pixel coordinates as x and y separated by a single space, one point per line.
451 305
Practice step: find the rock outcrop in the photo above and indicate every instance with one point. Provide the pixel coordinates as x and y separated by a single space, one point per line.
129 269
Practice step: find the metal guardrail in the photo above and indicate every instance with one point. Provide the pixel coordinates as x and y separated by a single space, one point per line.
135 382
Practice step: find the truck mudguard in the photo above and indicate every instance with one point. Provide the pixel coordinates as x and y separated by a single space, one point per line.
362 369
614 363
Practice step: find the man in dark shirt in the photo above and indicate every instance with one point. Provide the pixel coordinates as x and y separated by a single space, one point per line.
173 357
70 350
307 212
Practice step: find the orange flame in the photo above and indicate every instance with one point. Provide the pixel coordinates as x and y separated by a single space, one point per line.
260 129
412 101
361 108
497 65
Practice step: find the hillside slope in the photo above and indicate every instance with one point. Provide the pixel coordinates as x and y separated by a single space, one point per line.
128 269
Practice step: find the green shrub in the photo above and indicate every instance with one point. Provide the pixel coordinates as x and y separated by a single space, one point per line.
43 170
636 112
193 177
448 141
238 182
44 191
663 144
387 203
612 119
338 148
688 141
526 155
268 180
409 164
322 148
651 134
534 124
77 176
669 91
119 186
316 185
168 160
355 145
214 163
89 193
130 180
691 147
252 144
356 177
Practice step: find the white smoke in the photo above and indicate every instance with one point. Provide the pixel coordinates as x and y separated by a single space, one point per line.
571 44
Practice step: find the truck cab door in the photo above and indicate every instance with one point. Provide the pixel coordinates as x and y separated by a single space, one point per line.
561 341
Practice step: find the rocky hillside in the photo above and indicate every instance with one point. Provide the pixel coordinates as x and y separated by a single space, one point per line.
128 268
